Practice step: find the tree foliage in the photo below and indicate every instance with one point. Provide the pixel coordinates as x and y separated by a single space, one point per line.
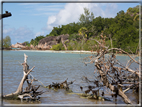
87 17
58 47
27 43
7 42
83 32
35 41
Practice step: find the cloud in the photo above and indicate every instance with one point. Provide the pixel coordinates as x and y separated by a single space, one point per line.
71 13
21 34
7 31
51 21
39 33
111 10
41 9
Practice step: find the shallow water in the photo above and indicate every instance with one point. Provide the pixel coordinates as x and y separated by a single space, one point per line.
51 67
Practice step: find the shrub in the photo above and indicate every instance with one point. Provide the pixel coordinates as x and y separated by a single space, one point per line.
70 47
57 47
86 47
74 37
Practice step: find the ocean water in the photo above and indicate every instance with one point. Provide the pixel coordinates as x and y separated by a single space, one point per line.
51 67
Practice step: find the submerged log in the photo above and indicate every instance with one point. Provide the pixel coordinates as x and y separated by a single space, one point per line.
62 85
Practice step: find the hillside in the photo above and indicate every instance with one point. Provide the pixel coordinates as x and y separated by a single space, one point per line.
123 30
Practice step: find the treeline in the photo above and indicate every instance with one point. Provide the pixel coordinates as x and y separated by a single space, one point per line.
123 30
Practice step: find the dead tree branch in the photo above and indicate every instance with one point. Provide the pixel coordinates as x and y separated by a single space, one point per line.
31 90
112 73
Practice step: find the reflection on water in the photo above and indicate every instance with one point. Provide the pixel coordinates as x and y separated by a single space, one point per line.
51 67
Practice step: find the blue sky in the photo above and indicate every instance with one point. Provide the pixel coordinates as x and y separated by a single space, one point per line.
29 20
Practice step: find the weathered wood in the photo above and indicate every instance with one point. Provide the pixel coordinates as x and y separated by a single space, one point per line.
128 69
112 73
125 53
20 88
63 85
30 91
111 87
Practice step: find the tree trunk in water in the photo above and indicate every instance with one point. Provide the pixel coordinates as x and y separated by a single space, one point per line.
26 71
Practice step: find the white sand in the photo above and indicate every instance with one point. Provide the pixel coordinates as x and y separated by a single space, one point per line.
51 51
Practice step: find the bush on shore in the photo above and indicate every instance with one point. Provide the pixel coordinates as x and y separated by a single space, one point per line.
58 47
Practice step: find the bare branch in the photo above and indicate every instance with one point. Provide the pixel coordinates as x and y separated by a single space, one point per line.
124 52
126 90
30 70
25 58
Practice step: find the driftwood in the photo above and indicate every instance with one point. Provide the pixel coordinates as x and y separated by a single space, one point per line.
62 85
31 90
111 74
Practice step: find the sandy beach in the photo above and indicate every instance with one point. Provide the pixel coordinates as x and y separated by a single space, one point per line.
52 51
74 52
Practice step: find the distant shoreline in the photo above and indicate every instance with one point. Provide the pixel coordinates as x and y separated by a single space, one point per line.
52 51
74 51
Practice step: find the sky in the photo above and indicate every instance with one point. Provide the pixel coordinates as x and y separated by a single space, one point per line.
29 20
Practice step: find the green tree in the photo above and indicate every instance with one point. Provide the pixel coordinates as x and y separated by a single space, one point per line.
32 41
56 31
58 47
74 37
36 40
124 34
86 17
98 22
83 32
7 42
27 43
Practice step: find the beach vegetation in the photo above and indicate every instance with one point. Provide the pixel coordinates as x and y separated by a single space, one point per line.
6 42
35 41
58 47
83 32
27 43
